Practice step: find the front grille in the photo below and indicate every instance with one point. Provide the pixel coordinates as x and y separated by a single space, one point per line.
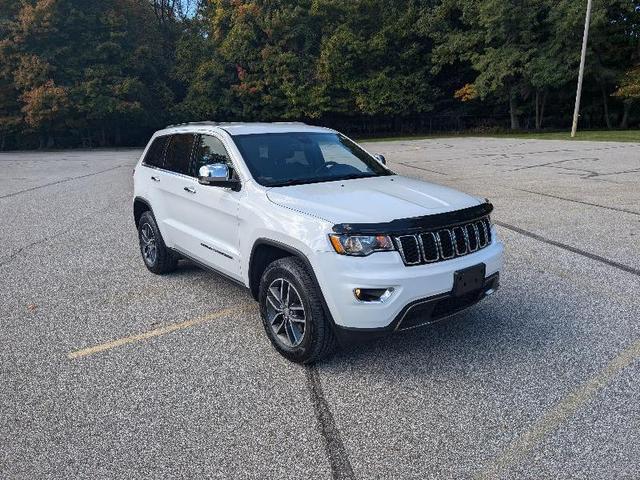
445 243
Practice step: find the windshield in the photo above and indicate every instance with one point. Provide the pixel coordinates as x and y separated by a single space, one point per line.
279 159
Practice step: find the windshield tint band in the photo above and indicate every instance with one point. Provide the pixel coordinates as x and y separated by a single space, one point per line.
415 224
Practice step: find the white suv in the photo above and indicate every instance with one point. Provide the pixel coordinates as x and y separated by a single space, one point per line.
331 243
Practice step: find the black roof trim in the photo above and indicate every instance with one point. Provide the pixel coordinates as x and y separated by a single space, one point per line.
416 224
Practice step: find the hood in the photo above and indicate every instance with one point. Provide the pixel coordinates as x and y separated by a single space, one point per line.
373 199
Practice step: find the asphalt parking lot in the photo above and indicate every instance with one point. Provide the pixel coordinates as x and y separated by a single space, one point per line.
108 371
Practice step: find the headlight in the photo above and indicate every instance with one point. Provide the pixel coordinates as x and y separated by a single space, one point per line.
361 245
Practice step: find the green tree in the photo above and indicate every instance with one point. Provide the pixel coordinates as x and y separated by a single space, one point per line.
256 59
498 38
86 66
10 115
373 60
284 59
629 90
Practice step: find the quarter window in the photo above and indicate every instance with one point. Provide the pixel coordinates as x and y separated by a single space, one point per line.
178 154
155 154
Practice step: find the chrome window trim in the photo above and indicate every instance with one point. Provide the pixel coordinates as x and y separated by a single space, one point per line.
170 172
196 136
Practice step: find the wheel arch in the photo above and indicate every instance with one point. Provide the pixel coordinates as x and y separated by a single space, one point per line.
140 205
265 251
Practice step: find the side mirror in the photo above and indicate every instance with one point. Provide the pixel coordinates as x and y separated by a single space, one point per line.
218 175
380 158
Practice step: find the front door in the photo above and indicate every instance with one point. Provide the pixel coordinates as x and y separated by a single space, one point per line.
212 219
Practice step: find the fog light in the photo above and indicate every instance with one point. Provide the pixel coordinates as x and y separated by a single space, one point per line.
372 294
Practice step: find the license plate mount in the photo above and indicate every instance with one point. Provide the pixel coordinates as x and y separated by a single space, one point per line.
469 279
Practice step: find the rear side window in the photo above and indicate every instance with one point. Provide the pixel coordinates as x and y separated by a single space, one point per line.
178 154
155 154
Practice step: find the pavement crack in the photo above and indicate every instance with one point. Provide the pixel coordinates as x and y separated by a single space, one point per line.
564 246
64 180
336 453
66 229
421 168
548 164
632 212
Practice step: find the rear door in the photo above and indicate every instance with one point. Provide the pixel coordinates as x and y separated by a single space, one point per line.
172 184
148 178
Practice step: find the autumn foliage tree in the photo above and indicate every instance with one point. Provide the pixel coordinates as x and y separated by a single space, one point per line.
89 68
110 72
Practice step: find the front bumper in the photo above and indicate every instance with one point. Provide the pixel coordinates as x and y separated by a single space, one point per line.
339 275
420 313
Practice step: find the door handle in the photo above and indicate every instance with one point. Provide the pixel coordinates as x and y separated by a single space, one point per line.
190 189
155 179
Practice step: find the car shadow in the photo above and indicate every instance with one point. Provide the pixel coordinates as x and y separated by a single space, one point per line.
501 327
514 324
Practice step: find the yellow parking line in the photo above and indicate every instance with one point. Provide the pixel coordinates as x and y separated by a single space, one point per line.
153 333
561 412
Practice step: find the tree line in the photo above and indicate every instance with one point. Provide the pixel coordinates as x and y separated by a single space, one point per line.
110 72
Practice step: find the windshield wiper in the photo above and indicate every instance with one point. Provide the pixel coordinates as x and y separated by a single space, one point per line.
289 182
301 181
298 181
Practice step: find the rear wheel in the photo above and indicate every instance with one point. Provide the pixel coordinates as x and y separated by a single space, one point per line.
155 254
292 312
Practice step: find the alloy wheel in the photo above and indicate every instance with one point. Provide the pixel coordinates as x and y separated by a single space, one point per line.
286 313
149 246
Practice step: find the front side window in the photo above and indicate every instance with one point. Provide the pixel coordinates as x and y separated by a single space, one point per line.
210 150
155 154
178 154
279 159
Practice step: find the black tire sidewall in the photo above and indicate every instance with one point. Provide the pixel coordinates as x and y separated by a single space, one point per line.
299 353
166 261
147 219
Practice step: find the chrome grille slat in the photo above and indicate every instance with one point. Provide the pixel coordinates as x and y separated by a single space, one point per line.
444 243
482 231
487 227
409 249
473 239
447 243
429 246
459 241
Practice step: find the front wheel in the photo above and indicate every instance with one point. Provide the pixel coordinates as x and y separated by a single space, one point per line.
292 312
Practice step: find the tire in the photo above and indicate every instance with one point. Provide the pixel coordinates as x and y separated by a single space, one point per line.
163 260
317 340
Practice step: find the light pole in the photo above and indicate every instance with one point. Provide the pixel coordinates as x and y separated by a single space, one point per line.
585 37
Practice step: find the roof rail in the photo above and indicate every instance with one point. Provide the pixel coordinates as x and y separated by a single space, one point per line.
216 124
204 122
